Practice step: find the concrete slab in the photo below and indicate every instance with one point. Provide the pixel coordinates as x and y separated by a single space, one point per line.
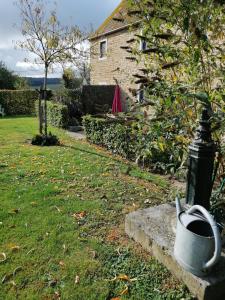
154 228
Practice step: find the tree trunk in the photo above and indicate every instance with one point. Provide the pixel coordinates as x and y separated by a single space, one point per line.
40 114
45 101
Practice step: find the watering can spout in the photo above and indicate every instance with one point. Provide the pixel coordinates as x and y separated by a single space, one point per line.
178 206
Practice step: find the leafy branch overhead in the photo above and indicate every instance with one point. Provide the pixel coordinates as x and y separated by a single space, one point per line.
185 41
181 67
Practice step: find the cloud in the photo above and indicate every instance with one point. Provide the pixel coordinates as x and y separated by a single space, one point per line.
28 66
77 12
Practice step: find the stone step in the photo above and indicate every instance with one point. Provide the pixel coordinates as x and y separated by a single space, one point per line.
154 228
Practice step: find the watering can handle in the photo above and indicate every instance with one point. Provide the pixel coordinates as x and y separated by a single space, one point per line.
216 234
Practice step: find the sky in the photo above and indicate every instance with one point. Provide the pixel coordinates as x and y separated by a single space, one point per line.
84 13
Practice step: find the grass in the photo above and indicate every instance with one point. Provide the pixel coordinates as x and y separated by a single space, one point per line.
62 222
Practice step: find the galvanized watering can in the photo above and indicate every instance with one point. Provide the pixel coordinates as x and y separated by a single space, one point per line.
198 242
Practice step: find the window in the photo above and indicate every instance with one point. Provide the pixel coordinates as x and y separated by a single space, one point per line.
103 49
141 94
143 45
143 42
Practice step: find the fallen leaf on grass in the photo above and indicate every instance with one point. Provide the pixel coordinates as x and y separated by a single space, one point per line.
52 283
6 277
58 209
65 249
123 277
18 269
94 254
2 257
117 298
61 263
77 279
33 203
79 215
14 211
30 251
125 291
12 282
12 226
57 295
14 248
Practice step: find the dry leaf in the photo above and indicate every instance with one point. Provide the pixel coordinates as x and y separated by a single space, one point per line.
94 254
18 269
61 263
2 257
79 215
6 277
15 211
117 298
77 279
58 209
14 248
57 295
12 282
123 277
30 251
125 291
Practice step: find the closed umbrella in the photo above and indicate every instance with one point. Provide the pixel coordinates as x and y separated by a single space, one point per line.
117 105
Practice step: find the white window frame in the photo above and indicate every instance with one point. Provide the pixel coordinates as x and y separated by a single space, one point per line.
106 51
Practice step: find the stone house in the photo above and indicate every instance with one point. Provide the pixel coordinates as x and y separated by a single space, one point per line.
110 62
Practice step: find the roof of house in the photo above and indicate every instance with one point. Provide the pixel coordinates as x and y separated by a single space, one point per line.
118 20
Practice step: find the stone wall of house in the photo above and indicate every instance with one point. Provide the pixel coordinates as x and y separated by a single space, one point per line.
104 71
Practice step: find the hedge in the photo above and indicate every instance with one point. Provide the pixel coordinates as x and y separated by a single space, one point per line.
115 135
149 146
58 114
18 102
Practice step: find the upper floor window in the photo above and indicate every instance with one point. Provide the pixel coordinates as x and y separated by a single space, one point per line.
143 45
103 49
143 42
141 94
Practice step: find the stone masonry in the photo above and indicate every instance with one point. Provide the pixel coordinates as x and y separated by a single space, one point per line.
105 70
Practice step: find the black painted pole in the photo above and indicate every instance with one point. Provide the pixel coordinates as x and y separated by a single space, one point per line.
201 164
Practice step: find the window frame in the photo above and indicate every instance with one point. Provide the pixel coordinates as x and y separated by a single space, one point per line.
143 42
106 49
141 93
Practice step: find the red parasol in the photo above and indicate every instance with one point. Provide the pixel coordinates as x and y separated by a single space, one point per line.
117 105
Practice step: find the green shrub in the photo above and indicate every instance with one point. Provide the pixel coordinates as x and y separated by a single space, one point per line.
57 115
70 98
113 134
18 102
149 144
42 140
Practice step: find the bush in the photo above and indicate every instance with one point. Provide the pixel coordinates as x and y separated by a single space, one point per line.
43 140
149 145
57 114
114 134
70 98
18 102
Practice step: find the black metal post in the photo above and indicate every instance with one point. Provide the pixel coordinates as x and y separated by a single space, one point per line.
201 164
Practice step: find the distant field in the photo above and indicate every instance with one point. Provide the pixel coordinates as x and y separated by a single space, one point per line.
50 86
52 83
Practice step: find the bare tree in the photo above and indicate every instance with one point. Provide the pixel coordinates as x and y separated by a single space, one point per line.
50 42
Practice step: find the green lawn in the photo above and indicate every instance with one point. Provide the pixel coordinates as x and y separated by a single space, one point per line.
62 215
